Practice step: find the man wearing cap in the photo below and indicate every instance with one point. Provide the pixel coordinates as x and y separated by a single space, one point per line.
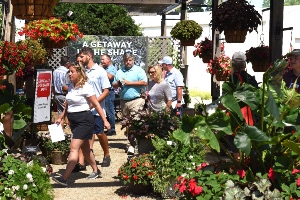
291 76
175 79
132 80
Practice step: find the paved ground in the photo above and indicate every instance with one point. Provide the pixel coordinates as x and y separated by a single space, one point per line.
108 187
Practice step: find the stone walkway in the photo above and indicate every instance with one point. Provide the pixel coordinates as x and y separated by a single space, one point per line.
107 187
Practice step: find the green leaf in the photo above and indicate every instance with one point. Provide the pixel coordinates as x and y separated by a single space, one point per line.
255 134
204 132
242 142
292 145
182 136
231 104
271 106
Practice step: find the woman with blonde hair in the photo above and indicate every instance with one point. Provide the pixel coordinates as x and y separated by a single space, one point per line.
159 95
78 99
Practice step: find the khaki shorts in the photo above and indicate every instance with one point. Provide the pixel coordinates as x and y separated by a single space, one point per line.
132 106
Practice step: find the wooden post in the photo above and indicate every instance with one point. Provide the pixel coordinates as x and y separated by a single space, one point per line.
184 48
276 28
163 25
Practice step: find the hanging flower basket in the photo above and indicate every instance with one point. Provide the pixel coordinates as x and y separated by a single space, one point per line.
49 44
260 66
222 77
235 36
206 58
33 9
190 42
204 50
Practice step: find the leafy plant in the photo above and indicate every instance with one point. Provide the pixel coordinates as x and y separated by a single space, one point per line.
21 180
138 170
258 54
146 124
233 14
204 48
62 146
186 29
52 29
220 65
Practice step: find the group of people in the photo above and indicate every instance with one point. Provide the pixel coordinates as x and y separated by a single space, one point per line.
85 94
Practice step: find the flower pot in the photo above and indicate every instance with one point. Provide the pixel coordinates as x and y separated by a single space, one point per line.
50 44
33 9
221 77
189 42
260 66
235 36
58 158
145 146
139 188
206 58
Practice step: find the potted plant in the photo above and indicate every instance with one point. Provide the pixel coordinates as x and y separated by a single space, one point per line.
259 57
57 152
204 50
53 32
137 173
235 18
187 31
146 124
220 66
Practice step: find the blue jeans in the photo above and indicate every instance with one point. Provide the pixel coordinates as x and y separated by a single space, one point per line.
110 110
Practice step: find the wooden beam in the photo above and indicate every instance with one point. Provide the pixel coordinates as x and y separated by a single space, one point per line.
276 28
121 1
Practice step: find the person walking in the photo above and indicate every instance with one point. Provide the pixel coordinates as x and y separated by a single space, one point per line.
159 95
131 80
97 77
110 99
58 81
78 100
175 80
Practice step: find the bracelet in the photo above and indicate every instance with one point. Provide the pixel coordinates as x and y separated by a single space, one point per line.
178 101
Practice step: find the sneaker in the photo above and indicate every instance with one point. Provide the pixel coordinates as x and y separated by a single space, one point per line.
130 150
60 180
94 175
79 167
106 161
111 133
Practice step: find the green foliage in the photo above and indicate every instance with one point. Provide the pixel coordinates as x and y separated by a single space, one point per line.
204 95
186 29
23 180
138 170
266 3
172 158
99 19
186 95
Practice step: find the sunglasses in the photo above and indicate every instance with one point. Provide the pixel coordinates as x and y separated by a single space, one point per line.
151 72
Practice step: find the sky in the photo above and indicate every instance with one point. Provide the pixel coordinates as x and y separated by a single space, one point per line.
256 3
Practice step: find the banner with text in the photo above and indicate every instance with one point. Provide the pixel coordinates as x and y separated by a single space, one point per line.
114 46
42 100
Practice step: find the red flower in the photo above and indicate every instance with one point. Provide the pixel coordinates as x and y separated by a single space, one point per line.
298 182
271 174
295 171
241 173
134 165
135 177
125 177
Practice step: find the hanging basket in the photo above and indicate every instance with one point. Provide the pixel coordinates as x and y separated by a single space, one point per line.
206 58
33 9
190 42
260 66
50 44
235 36
221 77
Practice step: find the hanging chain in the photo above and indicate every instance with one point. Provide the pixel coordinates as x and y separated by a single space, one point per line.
262 36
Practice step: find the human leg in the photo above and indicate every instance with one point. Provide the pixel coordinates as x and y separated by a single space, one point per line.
110 112
89 155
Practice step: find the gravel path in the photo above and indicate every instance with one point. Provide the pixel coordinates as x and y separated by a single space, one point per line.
107 187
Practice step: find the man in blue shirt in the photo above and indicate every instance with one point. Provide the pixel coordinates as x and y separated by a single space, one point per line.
132 80
109 100
175 80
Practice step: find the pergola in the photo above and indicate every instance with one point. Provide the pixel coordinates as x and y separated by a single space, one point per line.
163 7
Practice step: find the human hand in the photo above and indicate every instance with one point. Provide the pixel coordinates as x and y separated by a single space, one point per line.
107 125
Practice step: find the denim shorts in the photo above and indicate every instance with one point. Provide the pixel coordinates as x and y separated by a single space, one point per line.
99 125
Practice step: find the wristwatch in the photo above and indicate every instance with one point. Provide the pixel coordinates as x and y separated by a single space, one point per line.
178 101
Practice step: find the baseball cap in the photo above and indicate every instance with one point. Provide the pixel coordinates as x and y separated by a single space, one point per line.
166 60
295 52
239 56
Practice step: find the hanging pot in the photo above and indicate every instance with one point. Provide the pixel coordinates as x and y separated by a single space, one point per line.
190 42
206 58
222 77
235 36
50 44
260 66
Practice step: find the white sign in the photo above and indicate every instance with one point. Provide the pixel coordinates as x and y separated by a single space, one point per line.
42 99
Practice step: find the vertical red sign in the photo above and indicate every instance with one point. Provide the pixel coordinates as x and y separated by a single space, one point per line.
43 85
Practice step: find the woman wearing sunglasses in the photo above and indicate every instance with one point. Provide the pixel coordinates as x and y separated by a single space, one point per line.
159 96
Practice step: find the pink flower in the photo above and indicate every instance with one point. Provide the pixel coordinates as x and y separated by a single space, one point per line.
182 188
241 173
298 182
271 174
295 171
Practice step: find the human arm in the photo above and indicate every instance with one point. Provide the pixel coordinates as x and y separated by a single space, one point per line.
63 114
99 109
179 96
